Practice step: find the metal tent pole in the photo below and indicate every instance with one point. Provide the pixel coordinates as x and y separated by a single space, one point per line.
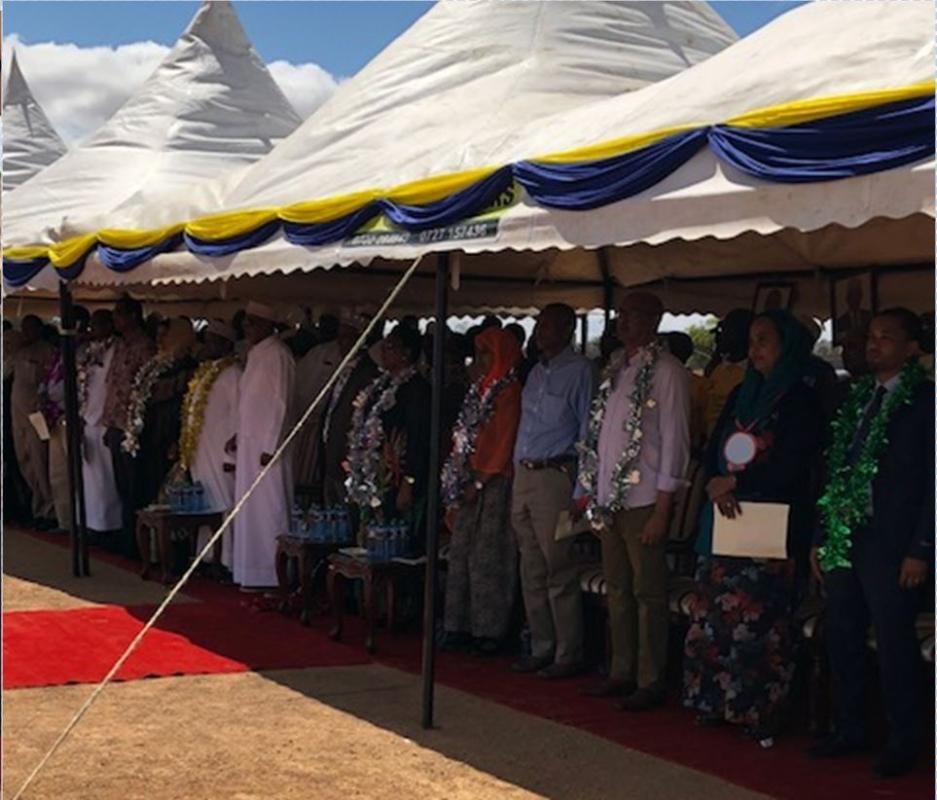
432 511
71 424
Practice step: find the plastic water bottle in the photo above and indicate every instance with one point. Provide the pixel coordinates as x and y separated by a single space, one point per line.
199 496
372 544
295 521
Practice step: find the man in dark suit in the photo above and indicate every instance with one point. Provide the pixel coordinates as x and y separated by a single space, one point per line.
891 555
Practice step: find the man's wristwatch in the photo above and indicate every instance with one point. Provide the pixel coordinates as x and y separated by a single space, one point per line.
479 485
409 479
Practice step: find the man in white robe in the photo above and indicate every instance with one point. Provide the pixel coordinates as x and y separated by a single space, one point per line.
264 419
212 465
313 371
102 502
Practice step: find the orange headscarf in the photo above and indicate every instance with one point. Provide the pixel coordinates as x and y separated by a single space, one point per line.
506 352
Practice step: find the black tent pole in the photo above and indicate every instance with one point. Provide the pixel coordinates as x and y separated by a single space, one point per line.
432 504
71 417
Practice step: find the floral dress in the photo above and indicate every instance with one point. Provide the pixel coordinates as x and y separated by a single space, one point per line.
738 653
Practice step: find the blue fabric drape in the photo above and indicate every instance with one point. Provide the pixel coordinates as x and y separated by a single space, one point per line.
583 186
872 140
313 234
228 247
456 207
118 260
19 273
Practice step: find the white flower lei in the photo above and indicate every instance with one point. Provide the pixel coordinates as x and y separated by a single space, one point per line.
476 410
625 475
143 383
366 439
92 356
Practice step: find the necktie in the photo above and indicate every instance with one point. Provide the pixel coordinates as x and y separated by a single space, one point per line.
862 432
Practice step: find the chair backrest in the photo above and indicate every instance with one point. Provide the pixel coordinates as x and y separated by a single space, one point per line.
686 505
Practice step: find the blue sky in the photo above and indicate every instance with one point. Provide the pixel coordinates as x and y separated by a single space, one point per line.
339 36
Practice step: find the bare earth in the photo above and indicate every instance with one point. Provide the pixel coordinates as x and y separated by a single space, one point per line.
327 734
317 734
38 576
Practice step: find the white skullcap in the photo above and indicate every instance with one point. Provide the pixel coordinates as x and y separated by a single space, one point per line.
261 311
221 328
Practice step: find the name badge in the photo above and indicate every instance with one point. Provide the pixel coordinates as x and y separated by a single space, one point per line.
740 450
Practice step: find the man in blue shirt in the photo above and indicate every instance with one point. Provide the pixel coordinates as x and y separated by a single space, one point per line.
554 417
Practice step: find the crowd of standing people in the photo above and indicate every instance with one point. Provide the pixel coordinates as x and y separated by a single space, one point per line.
539 440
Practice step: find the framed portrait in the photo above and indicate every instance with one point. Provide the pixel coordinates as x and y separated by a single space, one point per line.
770 296
853 301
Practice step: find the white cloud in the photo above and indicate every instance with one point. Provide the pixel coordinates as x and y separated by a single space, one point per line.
306 86
81 87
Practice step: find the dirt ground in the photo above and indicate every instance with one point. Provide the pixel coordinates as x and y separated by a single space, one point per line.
37 576
326 734
318 734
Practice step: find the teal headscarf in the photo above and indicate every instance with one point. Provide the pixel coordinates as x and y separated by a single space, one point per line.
758 394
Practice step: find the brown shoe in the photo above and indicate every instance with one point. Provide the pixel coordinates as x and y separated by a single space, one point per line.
556 672
641 700
530 664
610 688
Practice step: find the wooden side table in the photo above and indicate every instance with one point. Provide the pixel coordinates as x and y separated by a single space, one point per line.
163 523
375 576
308 555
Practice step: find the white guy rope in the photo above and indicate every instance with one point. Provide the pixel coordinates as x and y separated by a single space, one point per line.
221 529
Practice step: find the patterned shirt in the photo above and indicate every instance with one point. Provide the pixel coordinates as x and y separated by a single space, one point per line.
131 352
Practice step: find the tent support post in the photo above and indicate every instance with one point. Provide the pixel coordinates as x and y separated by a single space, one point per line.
432 509
584 331
79 538
608 286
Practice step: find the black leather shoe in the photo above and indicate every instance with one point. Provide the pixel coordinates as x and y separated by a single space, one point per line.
835 747
641 700
894 763
610 688
557 672
530 664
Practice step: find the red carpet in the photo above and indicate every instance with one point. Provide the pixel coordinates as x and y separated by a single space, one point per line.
48 648
217 636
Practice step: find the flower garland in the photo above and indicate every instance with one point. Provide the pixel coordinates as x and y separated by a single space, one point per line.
845 501
91 357
143 383
194 405
367 477
624 475
476 410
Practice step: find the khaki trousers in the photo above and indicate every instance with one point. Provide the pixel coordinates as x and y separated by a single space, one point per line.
33 456
636 578
549 572
58 475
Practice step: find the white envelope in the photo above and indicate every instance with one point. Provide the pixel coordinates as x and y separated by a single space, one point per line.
38 422
759 532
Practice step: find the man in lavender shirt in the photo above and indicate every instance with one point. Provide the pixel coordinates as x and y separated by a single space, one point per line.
634 538
554 417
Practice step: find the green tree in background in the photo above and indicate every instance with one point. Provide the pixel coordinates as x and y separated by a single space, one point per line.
704 343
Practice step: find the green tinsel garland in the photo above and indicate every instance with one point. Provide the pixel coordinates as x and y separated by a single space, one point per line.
844 503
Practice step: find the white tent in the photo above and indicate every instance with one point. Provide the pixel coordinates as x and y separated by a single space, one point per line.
209 108
30 141
463 75
705 219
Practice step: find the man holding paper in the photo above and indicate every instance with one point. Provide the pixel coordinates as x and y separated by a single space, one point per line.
633 461
877 540
738 661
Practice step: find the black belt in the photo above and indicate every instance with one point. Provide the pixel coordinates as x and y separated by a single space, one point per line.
561 463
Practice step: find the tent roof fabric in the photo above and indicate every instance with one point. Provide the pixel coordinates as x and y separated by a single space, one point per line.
30 141
209 108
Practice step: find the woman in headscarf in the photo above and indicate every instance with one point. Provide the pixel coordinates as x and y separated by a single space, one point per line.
738 660
156 406
476 488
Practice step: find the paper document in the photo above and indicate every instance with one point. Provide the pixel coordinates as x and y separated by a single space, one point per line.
760 531
565 527
39 423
